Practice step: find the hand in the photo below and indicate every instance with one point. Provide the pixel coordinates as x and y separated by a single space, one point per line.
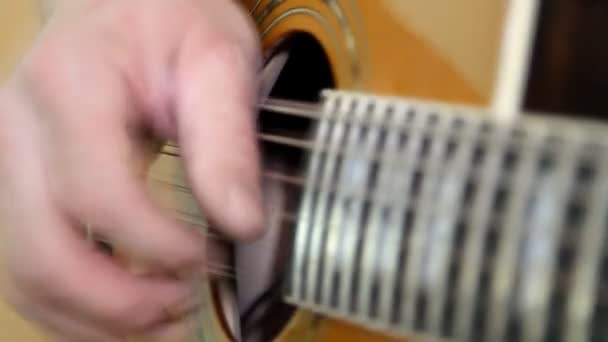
74 118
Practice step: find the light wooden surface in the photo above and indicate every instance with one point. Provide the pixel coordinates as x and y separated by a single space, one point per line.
18 25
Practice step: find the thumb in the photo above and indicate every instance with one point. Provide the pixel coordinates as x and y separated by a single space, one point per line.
217 133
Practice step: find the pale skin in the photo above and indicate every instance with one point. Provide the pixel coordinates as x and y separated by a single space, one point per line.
72 121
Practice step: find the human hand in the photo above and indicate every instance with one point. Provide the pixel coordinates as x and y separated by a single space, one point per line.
74 119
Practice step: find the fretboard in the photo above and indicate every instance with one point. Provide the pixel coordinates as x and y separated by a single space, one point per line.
430 219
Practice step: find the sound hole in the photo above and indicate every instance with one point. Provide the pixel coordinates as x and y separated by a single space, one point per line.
262 266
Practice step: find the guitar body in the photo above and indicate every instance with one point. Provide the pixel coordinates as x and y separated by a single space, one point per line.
426 49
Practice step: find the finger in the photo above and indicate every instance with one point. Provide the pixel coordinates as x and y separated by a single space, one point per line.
20 254
39 286
89 285
216 130
97 165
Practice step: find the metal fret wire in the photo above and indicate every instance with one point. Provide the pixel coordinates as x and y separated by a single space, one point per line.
305 217
413 272
395 182
443 229
330 247
474 244
541 246
319 226
359 176
376 244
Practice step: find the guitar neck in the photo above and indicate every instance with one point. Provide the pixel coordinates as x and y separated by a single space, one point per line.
423 218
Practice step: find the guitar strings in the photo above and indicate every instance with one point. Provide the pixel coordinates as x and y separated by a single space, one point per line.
296 109
229 272
313 111
288 107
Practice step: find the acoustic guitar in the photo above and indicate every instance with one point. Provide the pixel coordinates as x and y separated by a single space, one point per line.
433 170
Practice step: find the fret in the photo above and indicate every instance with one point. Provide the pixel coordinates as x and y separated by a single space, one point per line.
369 267
304 235
324 201
591 247
442 230
541 246
413 269
344 191
512 229
380 256
358 213
474 245
442 234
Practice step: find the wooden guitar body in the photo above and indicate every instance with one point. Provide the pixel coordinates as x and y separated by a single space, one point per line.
424 49
453 52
